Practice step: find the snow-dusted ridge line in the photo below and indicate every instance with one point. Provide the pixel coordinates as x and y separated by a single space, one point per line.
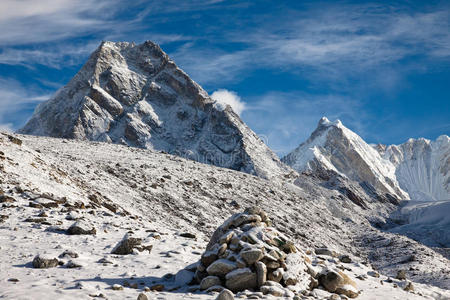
334 147
418 169
135 95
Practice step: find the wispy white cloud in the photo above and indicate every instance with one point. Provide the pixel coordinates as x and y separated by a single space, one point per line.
226 97
334 44
15 99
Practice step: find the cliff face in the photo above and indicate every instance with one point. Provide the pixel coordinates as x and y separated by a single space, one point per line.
135 95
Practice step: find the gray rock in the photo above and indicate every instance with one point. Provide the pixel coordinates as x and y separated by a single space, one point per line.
251 256
401 275
209 281
41 262
261 273
272 290
81 227
73 264
126 245
241 279
215 288
225 295
345 259
117 287
273 283
142 296
325 251
69 253
339 283
208 258
221 267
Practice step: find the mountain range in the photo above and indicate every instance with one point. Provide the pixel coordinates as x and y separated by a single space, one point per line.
133 134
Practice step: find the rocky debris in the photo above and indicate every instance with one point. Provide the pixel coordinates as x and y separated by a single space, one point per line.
117 287
225 295
345 259
6 199
188 235
14 140
3 218
241 279
73 264
246 254
37 220
339 283
105 261
221 267
157 287
401 275
409 287
325 251
142 296
68 253
81 227
44 262
209 281
128 244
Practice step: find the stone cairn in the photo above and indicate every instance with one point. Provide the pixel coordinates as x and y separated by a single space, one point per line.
246 253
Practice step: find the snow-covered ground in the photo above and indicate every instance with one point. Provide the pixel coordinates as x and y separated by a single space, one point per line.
426 221
118 189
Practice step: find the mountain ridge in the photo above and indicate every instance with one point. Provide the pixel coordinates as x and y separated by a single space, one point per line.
135 95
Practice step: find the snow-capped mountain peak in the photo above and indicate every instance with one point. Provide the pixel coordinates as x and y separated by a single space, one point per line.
418 169
135 95
333 146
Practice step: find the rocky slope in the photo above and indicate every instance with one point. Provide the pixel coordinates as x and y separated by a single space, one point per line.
135 95
334 147
163 201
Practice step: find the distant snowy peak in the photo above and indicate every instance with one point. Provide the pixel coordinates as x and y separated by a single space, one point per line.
334 147
136 95
422 167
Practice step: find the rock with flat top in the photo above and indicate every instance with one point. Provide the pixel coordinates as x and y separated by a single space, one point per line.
241 279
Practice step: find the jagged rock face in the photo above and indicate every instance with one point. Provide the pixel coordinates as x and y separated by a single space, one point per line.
334 147
422 167
135 95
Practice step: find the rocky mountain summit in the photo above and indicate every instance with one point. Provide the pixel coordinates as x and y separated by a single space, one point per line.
416 170
135 95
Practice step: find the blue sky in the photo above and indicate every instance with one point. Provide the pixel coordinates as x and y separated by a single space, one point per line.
383 68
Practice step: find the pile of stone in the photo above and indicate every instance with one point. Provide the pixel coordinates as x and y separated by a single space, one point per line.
246 253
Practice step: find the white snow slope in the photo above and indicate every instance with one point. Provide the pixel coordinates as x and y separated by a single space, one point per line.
118 189
422 167
135 95
426 221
